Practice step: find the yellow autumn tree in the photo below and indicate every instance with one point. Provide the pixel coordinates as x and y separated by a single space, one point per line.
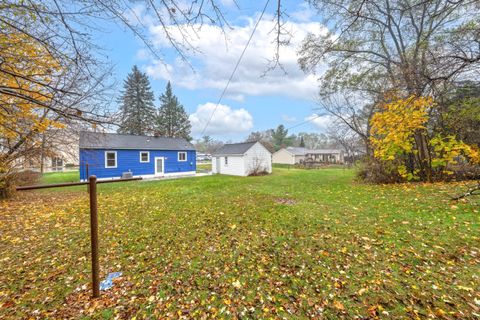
400 138
27 71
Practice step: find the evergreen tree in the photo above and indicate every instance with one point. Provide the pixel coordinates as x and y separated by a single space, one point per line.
280 138
302 143
172 120
136 104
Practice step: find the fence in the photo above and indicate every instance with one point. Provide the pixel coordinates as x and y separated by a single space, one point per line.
92 190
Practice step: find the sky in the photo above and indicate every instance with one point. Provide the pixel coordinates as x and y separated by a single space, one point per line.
256 99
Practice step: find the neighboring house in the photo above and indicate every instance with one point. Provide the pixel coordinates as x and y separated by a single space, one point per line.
110 155
242 159
56 151
293 155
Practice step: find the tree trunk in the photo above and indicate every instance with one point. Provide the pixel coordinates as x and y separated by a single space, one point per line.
423 155
42 154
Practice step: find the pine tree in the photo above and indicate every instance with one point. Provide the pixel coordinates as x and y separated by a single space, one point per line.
280 137
302 142
137 109
172 120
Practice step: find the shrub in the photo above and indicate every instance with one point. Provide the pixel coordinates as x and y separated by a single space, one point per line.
10 179
27 177
374 171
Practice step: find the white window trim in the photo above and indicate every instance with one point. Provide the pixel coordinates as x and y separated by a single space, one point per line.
178 156
226 161
106 162
148 156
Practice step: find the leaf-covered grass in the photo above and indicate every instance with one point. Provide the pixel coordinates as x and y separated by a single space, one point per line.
296 244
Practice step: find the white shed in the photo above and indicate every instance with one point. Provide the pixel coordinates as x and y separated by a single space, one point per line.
242 159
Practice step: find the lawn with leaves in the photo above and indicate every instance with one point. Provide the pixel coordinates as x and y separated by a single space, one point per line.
297 244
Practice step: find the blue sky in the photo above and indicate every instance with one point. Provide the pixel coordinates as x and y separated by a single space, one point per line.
253 102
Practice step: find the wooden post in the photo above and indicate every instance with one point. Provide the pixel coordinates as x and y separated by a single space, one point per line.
94 236
87 175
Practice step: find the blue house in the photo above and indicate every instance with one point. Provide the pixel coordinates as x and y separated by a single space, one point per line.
109 155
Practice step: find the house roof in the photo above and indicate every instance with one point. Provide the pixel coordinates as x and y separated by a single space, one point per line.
299 151
96 140
234 148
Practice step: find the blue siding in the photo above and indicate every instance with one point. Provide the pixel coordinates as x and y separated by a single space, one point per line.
129 160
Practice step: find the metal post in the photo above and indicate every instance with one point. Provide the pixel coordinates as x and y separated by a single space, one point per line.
94 236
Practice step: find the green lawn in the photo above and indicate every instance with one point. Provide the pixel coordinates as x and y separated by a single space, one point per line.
202 167
297 244
60 177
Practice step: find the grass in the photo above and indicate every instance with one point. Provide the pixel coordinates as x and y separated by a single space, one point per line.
60 177
202 167
297 244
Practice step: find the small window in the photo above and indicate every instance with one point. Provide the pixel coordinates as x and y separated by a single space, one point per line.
57 164
182 156
144 156
226 160
110 159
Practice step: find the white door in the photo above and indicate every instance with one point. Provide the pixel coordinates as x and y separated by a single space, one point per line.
159 166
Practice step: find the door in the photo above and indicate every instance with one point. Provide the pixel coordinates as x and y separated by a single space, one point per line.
218 165
159 166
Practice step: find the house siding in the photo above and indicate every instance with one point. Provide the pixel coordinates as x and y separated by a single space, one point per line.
282 156
234 167
129 160
259 156
299 159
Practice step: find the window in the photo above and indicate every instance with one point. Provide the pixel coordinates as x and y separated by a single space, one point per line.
182 156
144 156
226 160
110 159
57 164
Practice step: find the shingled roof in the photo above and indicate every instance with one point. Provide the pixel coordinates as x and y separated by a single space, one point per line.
97 140
234 148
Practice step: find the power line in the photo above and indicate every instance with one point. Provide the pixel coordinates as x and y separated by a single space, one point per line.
236 66
307 121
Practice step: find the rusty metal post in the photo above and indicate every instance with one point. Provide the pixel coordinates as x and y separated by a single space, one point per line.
94 236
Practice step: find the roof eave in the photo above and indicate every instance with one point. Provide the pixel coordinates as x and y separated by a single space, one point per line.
147 148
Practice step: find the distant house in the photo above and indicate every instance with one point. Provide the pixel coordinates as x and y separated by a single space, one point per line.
242 159
109 155
293 155
56 150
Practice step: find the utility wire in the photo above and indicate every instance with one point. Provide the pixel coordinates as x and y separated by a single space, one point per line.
236 66
307 121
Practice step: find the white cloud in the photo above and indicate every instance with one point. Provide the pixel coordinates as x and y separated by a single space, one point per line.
217 53
321 122
225 120
143 54
236 97
304 14
287 118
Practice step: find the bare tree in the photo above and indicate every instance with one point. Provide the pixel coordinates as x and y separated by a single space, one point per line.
411 46
403 47
349 140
